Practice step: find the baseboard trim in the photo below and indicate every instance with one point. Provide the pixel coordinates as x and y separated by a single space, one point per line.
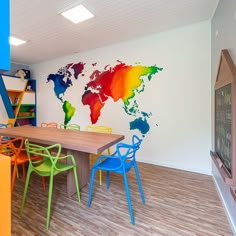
200 171
233 227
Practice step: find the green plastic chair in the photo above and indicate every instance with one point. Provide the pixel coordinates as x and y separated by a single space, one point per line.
48 166
70 126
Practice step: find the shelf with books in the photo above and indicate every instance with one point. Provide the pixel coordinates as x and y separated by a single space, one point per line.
28 107
19 99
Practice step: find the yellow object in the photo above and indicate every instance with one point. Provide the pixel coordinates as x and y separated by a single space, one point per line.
5 196
93 157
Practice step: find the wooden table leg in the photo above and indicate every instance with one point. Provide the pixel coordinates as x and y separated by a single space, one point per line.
82 162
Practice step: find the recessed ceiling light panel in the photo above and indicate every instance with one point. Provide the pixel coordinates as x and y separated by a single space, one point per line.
16 41
77 14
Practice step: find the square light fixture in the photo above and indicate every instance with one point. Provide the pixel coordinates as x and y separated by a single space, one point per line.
77 14
16 41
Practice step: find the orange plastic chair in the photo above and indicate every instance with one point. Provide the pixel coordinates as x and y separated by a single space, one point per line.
4 139
93 157
14 149
49 125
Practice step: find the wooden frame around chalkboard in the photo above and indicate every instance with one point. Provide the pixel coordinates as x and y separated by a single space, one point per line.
227 75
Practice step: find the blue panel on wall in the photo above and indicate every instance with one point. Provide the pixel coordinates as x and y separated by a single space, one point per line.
5 32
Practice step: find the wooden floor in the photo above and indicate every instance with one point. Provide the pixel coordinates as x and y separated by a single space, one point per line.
178 203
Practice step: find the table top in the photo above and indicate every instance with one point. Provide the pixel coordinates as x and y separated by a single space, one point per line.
90 142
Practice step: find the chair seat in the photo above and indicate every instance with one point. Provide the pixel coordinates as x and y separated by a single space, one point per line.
45 168
23 158
115 165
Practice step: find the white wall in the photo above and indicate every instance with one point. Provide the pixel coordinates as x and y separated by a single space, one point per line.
179 97
223 36
3 112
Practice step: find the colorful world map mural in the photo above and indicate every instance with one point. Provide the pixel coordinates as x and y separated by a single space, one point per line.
120 82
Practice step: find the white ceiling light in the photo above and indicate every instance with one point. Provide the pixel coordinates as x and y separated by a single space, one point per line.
15 41
77 14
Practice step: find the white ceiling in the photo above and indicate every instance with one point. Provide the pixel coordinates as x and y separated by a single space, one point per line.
50 35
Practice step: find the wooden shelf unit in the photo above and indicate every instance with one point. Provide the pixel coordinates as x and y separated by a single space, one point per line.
20 102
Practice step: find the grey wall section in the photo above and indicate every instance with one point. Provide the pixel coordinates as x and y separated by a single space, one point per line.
223 36
14 68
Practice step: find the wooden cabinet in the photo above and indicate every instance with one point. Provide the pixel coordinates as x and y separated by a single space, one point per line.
19 99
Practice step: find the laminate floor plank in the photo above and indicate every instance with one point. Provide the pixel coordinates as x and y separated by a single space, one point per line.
178 203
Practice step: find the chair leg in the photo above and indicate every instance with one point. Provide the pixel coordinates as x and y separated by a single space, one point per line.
25 191
14 173
109 151
17 172
44 182
100 171
128 198
23 169
139 183
108 179
91 187
49 201
76 183
100 177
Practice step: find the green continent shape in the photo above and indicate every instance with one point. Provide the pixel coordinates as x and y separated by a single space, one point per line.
69 111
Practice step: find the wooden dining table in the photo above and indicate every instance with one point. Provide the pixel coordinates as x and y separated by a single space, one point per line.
78 143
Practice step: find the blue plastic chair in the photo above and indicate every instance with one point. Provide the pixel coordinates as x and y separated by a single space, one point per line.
120 162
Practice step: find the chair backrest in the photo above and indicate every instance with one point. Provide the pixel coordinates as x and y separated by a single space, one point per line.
12 147
126 152
99 129
44 152
70 126
49 125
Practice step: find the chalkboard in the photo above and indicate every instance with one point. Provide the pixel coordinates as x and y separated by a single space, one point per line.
224 155
223 121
